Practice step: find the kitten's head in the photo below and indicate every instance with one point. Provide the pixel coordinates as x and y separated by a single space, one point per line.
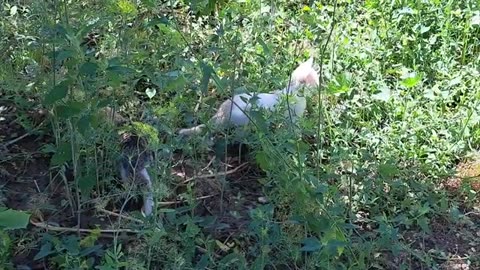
305 74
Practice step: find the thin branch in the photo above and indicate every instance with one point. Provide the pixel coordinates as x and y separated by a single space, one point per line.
105 211
215 174
16 140
47 227
184 201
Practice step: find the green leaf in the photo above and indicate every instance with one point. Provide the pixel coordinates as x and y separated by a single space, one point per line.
334 241
62 154
311 244
86 183
120 70
72 244
266 49
387 170
88 69
58 92
207 71
12 219
63 54
177 83
262 160
45 250
424 209
147 131
423 223
69 110
5 245
90 250
203 262
339 85
234 258
126 7
259 119
84 124
192 230
411 79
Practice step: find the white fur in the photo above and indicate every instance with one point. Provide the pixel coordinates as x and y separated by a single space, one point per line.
148 203
303 75
148 200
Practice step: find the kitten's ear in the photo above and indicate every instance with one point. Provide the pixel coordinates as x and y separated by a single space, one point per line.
309 62
306 74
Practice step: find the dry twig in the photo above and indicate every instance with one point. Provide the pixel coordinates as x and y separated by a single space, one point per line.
215 174
184 201
47 227
105 211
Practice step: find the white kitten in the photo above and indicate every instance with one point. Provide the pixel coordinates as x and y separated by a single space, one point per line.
233 111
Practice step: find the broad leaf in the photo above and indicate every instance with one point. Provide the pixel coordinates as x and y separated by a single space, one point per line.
88 69
45 250
311 244
151 92
12 219
62 154
69 110
412 79
383 95
86 184
58 92
63 54
262 160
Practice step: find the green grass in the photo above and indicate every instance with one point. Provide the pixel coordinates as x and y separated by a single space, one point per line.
358 184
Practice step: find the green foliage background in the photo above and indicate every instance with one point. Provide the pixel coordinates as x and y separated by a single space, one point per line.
398 108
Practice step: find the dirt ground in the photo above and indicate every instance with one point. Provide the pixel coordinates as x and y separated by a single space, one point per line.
28 184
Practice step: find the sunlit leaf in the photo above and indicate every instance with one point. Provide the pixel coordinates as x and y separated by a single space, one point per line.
383 95
13 10
147 131
455 81
126 7
151 92
89 240
411 80
476 18
339 85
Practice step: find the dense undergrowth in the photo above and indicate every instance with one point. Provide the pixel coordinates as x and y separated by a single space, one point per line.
363 182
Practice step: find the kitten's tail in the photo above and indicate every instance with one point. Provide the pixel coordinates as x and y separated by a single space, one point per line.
191 131
221 117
